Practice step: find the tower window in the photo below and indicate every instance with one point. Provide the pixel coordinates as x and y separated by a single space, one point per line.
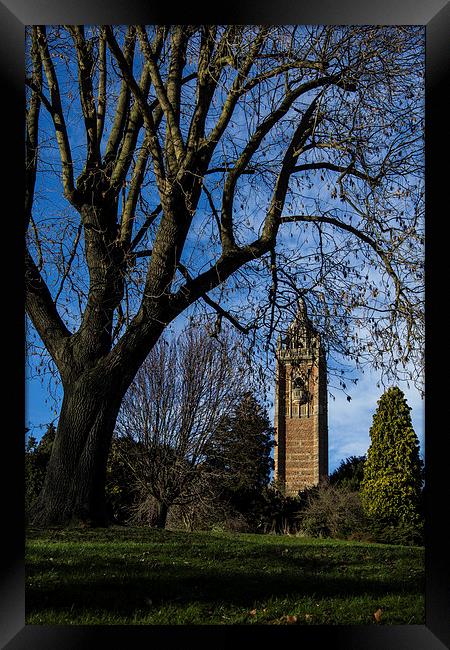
299 391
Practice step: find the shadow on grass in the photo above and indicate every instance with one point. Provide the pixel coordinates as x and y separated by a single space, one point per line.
123 570
124 593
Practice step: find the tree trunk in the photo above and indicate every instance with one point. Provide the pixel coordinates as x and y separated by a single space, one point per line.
159 518
74 486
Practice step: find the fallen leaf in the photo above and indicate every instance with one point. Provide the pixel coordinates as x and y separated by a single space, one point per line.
290 620
252 612
377 615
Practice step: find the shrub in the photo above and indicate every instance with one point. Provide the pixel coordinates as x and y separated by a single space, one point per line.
403 533
208 513
276 513
333 511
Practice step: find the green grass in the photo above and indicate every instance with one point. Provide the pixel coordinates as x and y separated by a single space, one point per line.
149 577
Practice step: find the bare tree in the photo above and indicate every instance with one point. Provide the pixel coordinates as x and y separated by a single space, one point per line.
238 166
171 411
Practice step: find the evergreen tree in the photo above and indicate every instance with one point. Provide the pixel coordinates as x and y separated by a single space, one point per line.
240 452
350 473
37 455
393 473
119 480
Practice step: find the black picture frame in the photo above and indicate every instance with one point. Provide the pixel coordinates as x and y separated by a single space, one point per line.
435 15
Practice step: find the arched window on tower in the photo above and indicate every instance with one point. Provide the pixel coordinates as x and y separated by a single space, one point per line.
299 391
300 397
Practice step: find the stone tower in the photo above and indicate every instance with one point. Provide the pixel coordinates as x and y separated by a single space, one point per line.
301 427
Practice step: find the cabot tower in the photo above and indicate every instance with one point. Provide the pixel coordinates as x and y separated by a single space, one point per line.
301 427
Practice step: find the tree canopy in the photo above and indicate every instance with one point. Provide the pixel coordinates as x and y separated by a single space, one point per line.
302 145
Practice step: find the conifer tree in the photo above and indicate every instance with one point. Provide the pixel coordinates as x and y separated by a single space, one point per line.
350 473
240 453
392 481
37 455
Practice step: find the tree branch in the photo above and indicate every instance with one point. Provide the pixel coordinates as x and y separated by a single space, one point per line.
85 70
32 132
145 253
101 98
206 84
161 94
126 227
120 115
350 169
147 223
227 235
69 263
301 134
145 111
42 311
357 233
212 206
220 310
233 258
58 118
235 91
179 41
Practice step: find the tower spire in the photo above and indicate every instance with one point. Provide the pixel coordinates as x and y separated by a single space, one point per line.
301 317
301 306
300 332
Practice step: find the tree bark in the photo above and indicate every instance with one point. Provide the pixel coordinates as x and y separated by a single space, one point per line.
159 518
74 487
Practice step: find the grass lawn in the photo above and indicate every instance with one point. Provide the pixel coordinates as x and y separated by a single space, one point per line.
150 577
